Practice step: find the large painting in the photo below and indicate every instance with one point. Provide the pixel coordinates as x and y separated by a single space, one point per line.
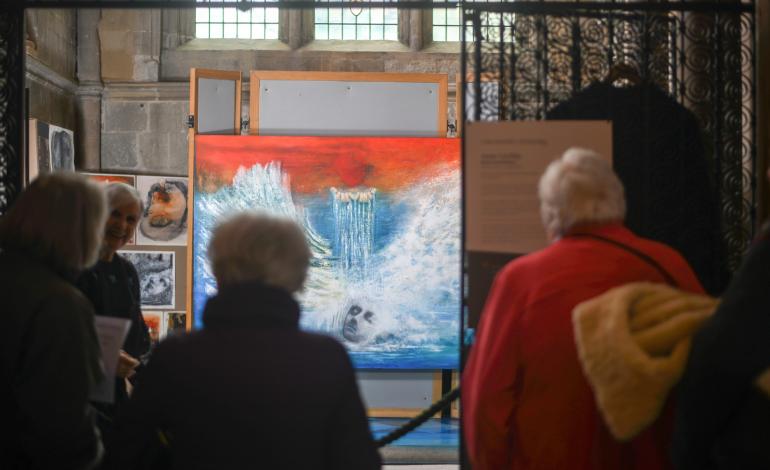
382 218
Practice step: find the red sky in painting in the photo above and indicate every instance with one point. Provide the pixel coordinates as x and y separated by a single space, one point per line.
318 163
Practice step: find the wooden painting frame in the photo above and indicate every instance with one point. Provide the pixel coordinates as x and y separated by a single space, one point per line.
441 79
195 75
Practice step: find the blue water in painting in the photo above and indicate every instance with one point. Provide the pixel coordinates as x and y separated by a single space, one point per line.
388 261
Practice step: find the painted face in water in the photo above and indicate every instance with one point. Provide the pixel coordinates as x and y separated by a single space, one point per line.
358 325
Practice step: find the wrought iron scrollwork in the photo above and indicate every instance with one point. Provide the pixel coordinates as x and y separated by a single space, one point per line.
11 100
703 59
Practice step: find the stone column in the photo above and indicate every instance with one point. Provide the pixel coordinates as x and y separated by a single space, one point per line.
297 26
415 27
89 92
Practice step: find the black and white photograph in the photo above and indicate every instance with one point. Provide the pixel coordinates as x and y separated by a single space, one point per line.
62 148
157 279
51 148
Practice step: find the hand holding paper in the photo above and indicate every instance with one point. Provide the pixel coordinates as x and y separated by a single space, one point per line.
126 365
112 333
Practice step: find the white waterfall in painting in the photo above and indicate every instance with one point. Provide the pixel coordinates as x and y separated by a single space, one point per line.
354 229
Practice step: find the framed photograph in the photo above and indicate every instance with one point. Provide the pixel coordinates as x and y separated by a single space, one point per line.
175 322
155 325
112 178
51 148
157 278
164 221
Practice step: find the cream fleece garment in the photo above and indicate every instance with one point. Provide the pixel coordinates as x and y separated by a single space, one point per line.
633 343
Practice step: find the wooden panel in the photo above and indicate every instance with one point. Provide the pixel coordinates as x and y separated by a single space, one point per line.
256 77
393 412
195 75
456 404
409 412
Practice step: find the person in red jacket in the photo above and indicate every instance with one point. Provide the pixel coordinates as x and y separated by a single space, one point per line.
526 403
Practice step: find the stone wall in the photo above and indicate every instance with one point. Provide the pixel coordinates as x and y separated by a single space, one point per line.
144 128
130 45
51 39
145 64
51 59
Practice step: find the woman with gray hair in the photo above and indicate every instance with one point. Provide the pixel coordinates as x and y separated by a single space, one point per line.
526 402
49 358
112 286
250 389
580 188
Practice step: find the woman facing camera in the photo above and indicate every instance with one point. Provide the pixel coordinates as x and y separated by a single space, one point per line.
250 389
49 354
112 285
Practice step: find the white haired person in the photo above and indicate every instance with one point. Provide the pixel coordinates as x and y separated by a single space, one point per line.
250 389
49 354
526 401
112 286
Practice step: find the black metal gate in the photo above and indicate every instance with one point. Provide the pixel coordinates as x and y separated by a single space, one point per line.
11 104
543 54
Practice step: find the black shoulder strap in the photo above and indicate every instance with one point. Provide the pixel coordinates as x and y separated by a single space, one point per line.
644 256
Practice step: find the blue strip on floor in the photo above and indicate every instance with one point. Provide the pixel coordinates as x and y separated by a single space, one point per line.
434 433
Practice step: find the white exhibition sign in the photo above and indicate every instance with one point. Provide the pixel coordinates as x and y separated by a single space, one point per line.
503 164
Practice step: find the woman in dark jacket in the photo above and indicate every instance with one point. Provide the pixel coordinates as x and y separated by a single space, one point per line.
723 416
112 285
49 354
250 390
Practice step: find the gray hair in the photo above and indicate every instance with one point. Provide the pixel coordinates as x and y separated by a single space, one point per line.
580 188
259 247
119 194
59 219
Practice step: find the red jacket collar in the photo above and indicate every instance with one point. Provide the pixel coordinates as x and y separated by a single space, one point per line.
609 230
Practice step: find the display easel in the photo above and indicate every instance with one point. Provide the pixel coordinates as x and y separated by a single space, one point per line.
222 89
365 104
